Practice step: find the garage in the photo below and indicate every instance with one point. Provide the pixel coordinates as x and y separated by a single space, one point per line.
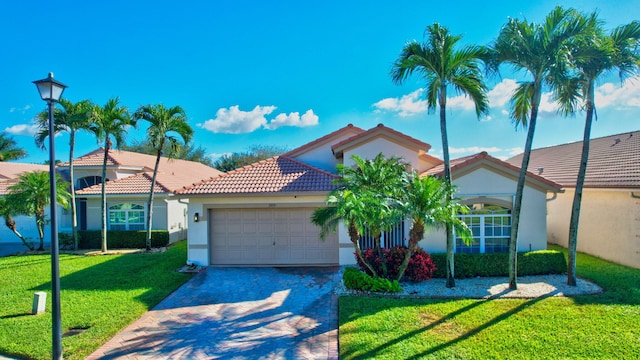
268 237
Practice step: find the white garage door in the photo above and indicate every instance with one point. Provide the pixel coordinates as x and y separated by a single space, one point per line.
268 237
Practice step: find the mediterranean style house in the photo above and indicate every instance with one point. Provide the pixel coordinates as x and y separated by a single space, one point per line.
128 181
259 215
609 224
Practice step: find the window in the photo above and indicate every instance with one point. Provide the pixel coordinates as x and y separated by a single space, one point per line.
126 216
389 239
88 181
490 226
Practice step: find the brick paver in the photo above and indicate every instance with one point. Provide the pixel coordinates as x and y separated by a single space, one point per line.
238 313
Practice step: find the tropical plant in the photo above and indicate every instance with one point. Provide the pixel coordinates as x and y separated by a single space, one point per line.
443 67
73 117
543 52
9 149
166 126
107 122
8 211
30 195
594 55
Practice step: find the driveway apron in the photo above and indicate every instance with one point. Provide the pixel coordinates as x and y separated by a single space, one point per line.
238 313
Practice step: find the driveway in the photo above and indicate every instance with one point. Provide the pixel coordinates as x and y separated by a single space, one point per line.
238 313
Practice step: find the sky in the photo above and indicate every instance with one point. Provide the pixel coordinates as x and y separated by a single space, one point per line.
278 72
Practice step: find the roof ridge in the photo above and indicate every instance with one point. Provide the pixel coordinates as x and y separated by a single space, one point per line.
322 138
226 174
581 140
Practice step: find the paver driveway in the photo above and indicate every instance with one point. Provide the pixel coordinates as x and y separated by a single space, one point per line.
238 313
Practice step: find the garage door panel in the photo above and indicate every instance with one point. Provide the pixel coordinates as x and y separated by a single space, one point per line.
268 237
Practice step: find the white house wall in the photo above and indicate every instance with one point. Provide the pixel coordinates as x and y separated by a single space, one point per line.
371 149
176 219
161 216
609 224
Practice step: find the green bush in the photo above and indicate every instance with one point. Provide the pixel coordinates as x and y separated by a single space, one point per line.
122 239
357 280
539 262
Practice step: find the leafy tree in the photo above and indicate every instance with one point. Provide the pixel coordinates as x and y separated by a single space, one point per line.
543 52
166 127
254 154
183 151
8 211
107 122
9 149
443 66
593 55
30 195
73 117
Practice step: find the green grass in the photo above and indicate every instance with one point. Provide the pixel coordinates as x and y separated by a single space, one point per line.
605 326
100 293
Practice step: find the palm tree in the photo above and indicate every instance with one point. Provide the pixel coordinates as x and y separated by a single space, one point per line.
8 211
443 66
30 195
166 125
9 149
543 52
109 121
72 118
428 202
594 55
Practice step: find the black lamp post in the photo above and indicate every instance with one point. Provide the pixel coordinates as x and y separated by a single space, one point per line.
50 91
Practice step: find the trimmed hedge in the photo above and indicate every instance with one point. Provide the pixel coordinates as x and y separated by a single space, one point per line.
122 239
541 262
357 280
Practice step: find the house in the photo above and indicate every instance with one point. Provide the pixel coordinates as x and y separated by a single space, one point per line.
9 173
260 214
609 224
128 181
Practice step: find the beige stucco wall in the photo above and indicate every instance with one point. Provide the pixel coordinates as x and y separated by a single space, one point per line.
609 224
371 149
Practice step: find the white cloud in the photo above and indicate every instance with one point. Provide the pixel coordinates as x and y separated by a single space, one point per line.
619 97
23 129
236 121
293 119
216 156
515 151
21 110
460 102
407 105
499 96
473 150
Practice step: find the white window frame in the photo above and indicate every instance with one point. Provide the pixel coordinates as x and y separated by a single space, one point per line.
481 237
127 224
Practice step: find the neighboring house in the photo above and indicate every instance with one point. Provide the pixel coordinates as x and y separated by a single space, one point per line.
26 225
610 213
260 214
127 184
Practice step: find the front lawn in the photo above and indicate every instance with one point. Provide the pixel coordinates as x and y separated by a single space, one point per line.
101 294
605 326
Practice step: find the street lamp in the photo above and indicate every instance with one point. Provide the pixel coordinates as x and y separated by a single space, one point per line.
50 91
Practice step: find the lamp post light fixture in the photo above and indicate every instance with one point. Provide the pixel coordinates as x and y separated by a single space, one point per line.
50 91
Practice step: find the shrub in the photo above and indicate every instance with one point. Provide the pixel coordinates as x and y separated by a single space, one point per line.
355 279
420 267
497 264
122 239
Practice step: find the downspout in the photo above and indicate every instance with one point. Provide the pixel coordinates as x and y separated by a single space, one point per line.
634 195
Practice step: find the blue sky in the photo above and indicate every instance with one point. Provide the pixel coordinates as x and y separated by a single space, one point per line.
281 72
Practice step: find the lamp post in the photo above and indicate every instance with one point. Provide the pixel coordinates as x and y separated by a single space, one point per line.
50 91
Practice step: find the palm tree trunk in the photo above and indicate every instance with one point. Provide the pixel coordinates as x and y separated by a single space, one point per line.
104 196
517 205
577 196
383 261
354 236
74 216
415 235
40 227
150 204
11 224
450 263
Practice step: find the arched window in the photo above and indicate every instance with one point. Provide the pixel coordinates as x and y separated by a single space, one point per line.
126 216
490 224
88 181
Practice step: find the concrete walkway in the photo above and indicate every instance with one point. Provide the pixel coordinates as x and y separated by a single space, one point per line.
238 313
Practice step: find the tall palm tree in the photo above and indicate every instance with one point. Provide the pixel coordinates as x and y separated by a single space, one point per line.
166 125
72 118
8 211
107 122
30 195
443 67
542 51
427 201
9 149
594 55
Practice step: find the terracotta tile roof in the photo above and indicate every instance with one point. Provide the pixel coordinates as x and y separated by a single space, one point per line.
4 186
379 130
350 128
135 184
11 170
274 175
461 163
614 162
